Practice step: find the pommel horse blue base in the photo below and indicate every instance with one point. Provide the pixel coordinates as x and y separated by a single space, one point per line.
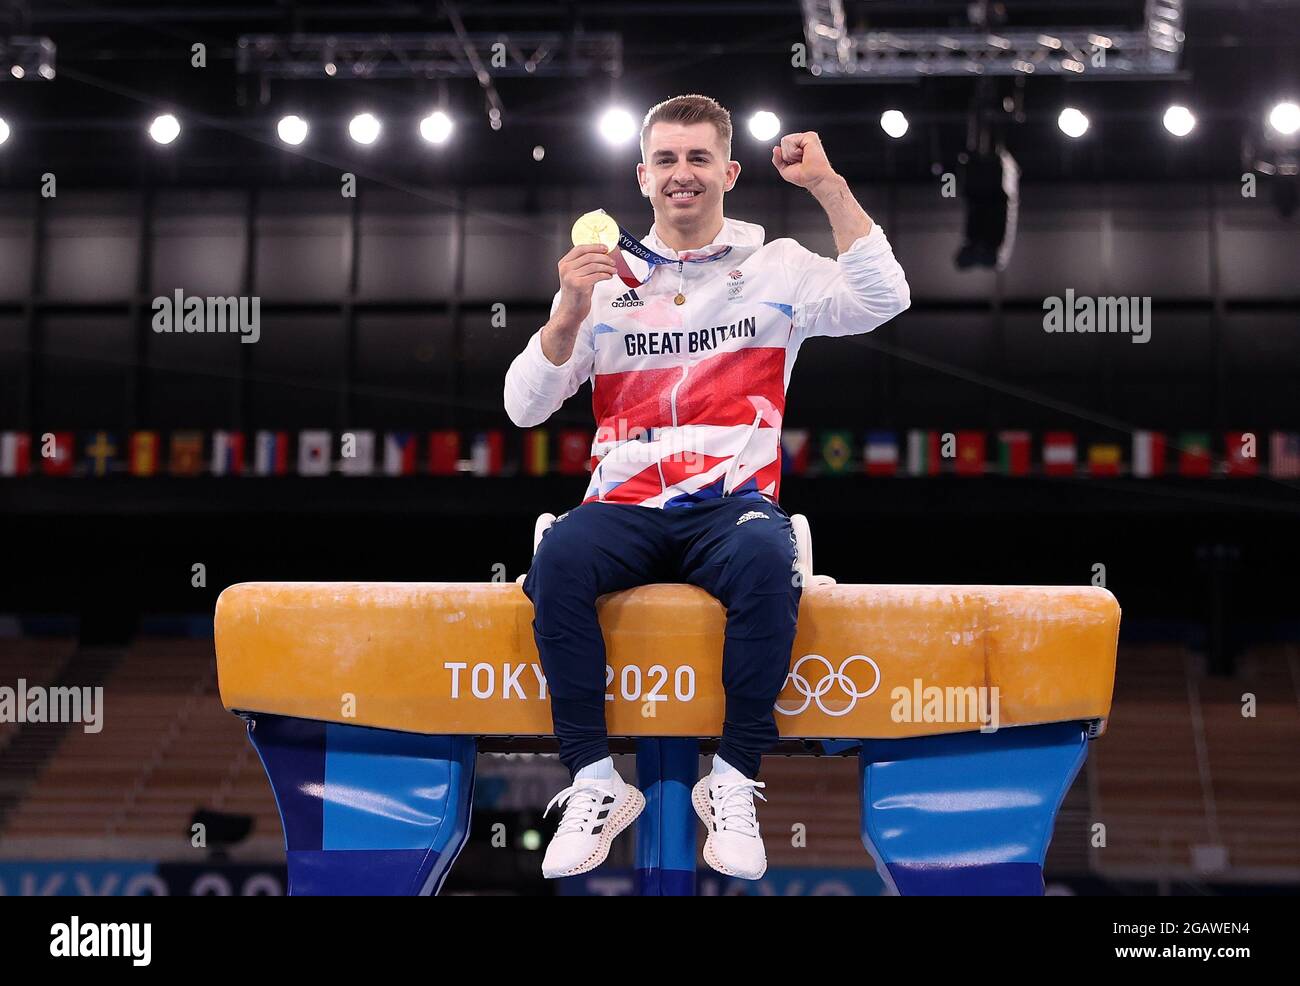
379 812
370 812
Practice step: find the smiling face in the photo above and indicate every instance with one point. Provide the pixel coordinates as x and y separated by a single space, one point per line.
685 174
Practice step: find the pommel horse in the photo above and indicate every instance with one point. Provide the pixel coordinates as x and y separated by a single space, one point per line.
368 702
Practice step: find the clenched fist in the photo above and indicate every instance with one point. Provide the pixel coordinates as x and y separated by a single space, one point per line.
801 159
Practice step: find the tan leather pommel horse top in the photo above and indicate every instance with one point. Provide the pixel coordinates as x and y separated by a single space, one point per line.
869 661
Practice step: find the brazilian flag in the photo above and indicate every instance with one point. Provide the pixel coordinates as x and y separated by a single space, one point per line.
837 451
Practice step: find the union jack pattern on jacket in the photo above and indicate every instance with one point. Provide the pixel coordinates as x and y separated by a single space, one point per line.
688 399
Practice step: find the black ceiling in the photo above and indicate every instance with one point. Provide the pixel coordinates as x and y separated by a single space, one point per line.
119 63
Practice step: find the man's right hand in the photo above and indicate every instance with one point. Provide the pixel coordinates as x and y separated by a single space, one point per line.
580 270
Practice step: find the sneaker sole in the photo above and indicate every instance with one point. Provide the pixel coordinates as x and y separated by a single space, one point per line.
619 819
700 799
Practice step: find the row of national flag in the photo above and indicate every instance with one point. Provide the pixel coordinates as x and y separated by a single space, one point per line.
317 452
311 452
1054 453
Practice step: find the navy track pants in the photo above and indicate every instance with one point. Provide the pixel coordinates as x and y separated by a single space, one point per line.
741 550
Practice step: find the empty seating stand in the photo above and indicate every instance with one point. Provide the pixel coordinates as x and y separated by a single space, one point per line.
368 702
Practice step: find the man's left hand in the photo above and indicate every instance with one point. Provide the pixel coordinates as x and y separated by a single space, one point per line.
801 160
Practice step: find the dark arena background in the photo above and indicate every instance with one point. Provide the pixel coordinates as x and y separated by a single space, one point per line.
386 188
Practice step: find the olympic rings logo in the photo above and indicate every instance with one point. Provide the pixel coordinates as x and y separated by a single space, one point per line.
829 680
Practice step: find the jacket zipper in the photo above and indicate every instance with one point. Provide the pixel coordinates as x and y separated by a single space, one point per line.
673 398
663 486
728 483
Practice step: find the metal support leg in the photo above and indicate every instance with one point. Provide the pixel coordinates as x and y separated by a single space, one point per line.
666 770
366 811
967 813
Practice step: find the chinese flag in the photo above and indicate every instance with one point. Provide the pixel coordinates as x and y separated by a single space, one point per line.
444 452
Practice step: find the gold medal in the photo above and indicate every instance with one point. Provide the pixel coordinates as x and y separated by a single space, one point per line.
680 299
596 227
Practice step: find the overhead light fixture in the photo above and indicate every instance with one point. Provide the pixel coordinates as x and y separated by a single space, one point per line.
436 127
1073 122
894 123
616 126
1179 121
764 125
1272 148
1285 118
364 128
292 129
165 128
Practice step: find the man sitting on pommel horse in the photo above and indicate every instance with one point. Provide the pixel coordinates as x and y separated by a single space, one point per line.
689 371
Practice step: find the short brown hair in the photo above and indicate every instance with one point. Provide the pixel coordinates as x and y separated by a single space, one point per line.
692 108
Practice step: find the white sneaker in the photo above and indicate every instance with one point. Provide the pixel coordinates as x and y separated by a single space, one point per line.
594 812
725 805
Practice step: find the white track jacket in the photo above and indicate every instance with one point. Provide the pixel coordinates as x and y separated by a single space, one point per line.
689 398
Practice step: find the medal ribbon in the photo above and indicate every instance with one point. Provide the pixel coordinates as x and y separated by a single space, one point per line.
626 241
